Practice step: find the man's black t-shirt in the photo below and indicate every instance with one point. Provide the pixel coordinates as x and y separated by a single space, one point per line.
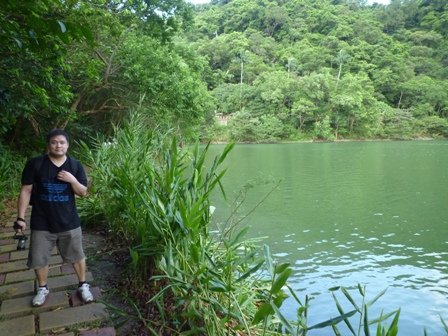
54 207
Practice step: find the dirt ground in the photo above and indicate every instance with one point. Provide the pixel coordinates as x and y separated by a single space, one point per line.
107 263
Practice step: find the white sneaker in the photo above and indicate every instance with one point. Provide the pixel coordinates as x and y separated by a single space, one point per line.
40 297
84 292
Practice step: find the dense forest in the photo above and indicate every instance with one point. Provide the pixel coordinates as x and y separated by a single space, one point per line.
270 70
326 69
83 65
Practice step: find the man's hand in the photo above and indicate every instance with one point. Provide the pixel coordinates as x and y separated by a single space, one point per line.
19 226
78 188
65 176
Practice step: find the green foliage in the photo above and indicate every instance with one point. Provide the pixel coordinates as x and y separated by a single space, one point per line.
398 125
150 192
153 195
11 165
268 308
247 128
159 19
244 127
361 309
298 61
426 90
432 126
323 130
128 63
271 128
56 73
34 90
308 60
182 94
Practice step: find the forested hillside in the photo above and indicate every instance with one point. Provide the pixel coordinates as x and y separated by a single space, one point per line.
271 69
242 70
325 69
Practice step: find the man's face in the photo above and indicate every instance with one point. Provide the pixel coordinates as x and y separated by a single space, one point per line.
58 146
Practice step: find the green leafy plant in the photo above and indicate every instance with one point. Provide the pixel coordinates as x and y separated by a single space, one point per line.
362 310
154 195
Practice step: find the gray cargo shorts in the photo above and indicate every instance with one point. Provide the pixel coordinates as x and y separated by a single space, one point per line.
42 243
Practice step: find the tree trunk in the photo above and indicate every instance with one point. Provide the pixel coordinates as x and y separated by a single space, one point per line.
399 100
241 84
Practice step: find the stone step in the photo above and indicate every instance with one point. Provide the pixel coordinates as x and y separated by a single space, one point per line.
69 281
18 255
99 332
66 318
63 313
21 326
61 299
7 241
17 290
8 244
8 248
76 301
22 306
29 275
20 265
25 288
4 257
8 233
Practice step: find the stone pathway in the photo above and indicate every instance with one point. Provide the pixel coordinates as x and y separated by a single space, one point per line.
63 313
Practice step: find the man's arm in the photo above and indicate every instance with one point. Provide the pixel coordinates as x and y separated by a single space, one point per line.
22 204
78 188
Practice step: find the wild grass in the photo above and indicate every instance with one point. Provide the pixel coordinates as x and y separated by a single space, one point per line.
155 196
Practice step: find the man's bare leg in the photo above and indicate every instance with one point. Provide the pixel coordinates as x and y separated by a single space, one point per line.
42 276
80 269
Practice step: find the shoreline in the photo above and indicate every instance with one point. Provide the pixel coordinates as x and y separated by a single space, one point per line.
324 141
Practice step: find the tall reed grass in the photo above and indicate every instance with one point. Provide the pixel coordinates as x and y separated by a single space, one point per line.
154 196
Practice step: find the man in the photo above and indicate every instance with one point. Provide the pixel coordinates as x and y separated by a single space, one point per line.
51 182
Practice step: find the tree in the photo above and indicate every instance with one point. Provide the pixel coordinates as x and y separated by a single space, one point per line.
341 58
170 84
311 99
227 97
426 91
274 93
34 89
353 103
55 72
275 19
223 49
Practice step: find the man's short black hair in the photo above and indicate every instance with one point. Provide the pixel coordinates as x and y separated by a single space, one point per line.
55 132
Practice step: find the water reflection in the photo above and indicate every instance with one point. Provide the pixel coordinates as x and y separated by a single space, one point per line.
349 213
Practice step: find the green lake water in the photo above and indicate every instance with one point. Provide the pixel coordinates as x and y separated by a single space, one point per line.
373 213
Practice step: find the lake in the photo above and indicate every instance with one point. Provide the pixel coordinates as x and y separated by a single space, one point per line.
373 213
